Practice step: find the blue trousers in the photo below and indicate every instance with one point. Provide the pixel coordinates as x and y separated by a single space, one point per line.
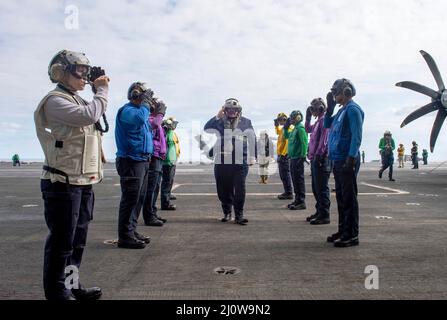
297 173
230 184
347 203
68 210
415 160
133 176
148 198
284 173
387 162
321 170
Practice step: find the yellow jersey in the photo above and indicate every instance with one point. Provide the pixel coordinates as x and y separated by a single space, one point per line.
281 148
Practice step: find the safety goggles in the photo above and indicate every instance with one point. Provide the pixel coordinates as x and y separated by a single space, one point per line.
80 71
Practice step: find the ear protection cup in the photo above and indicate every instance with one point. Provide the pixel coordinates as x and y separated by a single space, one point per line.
135 91
135 94
57 72
348 88
347 91
318 104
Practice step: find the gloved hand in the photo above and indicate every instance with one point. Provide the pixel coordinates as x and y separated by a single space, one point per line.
330 101
160 108
95 73
287 124
276 122
147 99
349 166
308 114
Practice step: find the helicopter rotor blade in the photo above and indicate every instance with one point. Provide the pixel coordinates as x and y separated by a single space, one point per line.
432 106
440 117
434 69
419 88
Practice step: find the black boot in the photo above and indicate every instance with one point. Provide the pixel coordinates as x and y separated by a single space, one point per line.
169 207
141 237
154 222
320 220
344 242
226 218
84 294
241 221
131 244
334 237
285 196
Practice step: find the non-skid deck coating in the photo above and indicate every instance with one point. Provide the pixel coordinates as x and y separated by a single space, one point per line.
403 231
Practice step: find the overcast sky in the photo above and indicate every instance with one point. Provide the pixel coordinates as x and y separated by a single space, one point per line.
272 55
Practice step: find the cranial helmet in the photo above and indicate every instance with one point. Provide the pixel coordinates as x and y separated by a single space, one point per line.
318 105
343 86
232 108
296 115
136 90
170 123
68 61
281 115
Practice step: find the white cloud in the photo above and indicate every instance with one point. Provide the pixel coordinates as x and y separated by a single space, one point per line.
272 55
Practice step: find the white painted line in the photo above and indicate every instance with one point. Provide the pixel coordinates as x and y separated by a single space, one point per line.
385 194
29 205
394 191
383 217
189 170
276 194
213 184
413 204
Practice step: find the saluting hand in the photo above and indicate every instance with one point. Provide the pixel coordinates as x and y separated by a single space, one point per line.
220 114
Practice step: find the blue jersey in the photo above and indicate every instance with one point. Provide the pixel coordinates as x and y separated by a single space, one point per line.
345 135
133 133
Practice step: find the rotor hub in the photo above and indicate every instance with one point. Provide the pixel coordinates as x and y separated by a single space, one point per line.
444 99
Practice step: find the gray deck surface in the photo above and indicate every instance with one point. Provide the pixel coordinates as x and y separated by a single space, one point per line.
280 255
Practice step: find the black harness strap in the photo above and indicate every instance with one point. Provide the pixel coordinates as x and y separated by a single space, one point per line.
56 171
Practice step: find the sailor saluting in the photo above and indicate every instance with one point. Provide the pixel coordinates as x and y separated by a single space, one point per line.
71 143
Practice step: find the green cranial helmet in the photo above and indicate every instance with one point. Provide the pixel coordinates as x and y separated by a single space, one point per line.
296 116
75 63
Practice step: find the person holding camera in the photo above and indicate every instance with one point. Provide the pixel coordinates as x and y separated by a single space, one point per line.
386 146
297 151
283 158
133 137
320 164
148 199
234 151
72 145
345 138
